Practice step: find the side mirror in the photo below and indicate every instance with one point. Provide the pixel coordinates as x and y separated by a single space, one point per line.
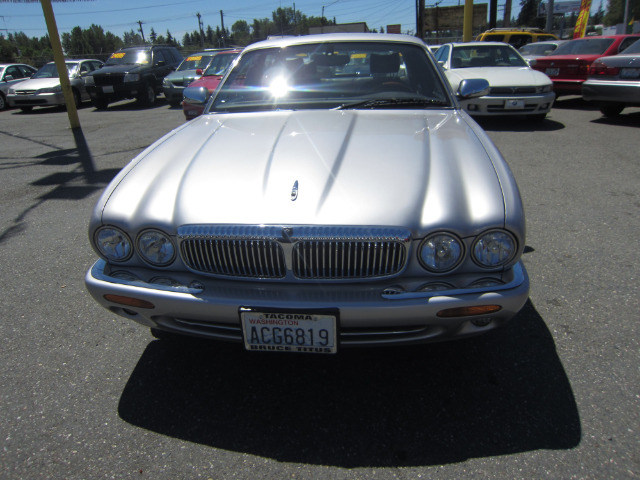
195 95
532 62
8 78
473 88
161 63
198 71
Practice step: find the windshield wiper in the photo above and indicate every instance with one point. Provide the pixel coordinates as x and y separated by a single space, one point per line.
393 102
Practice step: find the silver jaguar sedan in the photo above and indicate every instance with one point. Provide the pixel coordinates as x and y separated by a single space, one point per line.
332 195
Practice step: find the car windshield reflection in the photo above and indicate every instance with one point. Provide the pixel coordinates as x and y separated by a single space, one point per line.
330 75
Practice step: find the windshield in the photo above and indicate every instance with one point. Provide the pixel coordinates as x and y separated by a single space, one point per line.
220 63
130 57
537 49
50 71
333 75
584 46
193 62
486 56
633 48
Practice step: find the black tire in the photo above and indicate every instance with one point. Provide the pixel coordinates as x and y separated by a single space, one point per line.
147 97
175 102
3 102
100 103
612 110
26 109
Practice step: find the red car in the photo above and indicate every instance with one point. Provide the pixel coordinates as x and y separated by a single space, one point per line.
209 79
568 66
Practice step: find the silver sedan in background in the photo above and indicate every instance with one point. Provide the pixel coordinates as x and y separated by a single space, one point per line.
614 82
314 207
43 89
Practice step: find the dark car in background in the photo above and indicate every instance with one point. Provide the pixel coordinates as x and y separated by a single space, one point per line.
10 74
190 69
568 66
614 82
133 72
210 80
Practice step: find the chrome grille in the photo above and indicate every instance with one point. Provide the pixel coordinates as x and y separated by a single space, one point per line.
298 252
512 90
235 257
109 79
336 259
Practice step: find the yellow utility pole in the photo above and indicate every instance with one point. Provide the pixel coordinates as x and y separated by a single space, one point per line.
58 57
467 28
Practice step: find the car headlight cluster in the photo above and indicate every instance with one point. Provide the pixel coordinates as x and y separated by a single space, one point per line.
132 77
89 80
153 246
544 89
166 82
443 251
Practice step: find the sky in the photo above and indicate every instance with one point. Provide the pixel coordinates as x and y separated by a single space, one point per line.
179 16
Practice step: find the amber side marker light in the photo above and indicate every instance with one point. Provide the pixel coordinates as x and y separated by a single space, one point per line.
129 301
469 311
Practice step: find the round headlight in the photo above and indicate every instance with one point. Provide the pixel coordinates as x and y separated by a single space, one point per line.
113 243
441 252
156 248
494 248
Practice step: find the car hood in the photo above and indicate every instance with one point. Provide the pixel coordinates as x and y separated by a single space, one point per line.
622 60
182 74
37 83
499 76
418 169
126 68
564 60
209 81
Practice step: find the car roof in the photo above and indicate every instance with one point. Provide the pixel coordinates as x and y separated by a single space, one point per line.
335 37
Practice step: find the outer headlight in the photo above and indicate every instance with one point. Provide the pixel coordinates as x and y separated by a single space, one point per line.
132 77
166 82
441 252
545 89
156 248
494 248
12 91
89 80
113 243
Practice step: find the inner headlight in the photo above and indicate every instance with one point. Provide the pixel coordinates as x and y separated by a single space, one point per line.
113 243
544 89
494 248
132 77
441 252
156 248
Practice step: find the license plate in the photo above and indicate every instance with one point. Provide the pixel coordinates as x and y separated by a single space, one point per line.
630 73
107 89
552 72
514 104
286 331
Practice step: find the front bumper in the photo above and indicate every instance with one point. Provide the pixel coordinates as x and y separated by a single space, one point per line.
369 314
34 100
509 104
115 92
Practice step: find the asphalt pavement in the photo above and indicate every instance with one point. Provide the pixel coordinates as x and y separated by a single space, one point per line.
555 394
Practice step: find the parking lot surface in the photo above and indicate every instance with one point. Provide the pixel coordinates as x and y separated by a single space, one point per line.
555 394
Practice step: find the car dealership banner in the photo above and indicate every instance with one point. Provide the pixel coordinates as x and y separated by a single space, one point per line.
583 19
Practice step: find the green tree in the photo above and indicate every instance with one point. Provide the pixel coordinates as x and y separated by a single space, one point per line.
528 16
615 12
153 36
240 33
